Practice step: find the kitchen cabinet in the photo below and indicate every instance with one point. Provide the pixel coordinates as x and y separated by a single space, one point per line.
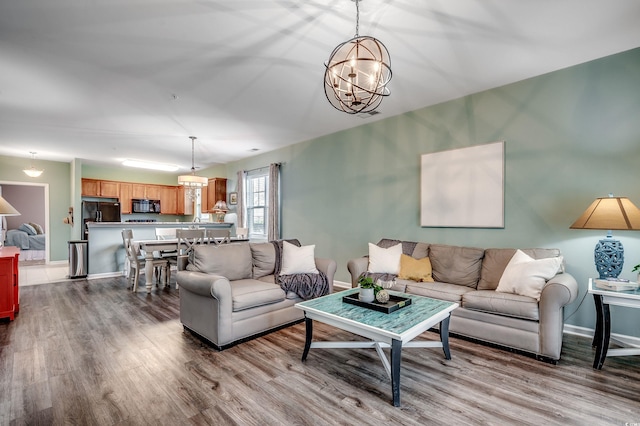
215 191
168 199
185 203
9 290
138 191
153 192
100 188
125 197
173 199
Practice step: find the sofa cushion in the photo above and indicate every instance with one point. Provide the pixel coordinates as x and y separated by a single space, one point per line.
415 269
384 260
526 276
421 250
436 290
232 261
512 305
456 265
298 260
264 259
250 293
496 259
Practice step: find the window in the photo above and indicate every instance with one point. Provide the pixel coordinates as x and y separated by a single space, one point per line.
257 208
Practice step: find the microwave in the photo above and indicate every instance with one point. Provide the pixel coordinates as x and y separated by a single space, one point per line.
145 206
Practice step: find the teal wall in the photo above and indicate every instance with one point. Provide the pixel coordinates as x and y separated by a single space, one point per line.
571 136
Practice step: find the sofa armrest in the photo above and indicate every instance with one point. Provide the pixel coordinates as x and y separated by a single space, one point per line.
208 285
558 292
328 267
356 267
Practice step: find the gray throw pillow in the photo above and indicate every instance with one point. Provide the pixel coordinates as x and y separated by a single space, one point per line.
264 259
232 261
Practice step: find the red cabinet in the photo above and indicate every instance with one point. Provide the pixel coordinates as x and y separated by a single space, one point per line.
9 291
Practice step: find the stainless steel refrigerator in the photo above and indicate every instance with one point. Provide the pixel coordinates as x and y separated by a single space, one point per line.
99 211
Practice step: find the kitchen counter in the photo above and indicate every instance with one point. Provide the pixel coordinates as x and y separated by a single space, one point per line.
106 252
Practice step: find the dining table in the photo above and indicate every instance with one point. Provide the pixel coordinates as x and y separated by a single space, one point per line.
168 244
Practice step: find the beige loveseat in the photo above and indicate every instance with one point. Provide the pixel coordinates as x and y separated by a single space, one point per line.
228 292
470 276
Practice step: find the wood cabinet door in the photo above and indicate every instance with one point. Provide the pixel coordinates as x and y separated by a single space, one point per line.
168 200
185 203
90 188
125 198
153 192
138 190
109 189
216 191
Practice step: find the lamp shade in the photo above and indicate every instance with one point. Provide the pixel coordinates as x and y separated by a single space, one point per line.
7 209
192 181
609 213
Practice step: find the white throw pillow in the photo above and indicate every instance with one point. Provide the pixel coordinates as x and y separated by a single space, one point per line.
527 276
384 260
298 260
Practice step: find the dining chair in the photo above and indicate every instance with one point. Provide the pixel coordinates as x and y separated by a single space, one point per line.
187 240
242 232
170 255
218 236
136 262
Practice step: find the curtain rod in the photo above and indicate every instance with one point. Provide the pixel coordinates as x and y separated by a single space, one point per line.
260 168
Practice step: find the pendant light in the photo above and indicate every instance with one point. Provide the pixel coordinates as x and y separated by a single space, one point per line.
192 182
357 73
32 171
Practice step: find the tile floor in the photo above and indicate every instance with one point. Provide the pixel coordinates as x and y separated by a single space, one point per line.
42 274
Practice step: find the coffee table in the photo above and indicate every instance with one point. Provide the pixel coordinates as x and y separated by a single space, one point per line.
393 330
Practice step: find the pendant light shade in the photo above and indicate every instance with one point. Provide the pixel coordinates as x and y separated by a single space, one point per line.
192 182
32 171
357 73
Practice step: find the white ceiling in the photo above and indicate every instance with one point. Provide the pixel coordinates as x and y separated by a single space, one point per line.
105 80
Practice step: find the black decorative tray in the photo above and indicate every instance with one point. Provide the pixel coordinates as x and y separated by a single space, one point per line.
394 303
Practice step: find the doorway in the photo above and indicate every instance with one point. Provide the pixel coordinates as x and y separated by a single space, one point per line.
32 201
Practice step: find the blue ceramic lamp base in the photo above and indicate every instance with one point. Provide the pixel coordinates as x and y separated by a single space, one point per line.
609 257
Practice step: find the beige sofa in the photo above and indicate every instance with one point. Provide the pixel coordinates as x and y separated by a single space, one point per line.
228 292
470 276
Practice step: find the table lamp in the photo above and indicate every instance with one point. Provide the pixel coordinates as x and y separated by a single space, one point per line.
220 209
609 213
6 209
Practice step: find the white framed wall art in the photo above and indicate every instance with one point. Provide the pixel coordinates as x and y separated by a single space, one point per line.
463 188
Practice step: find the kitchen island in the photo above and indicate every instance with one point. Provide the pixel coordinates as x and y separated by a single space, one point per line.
106 252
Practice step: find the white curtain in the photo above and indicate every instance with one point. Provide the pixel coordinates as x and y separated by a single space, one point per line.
240 206
273 230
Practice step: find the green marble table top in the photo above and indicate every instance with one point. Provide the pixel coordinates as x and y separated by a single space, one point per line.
421 309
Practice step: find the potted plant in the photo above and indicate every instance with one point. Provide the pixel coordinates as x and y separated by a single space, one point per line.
637 269
368 289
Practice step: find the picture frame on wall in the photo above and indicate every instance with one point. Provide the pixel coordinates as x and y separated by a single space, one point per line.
463 188
233 198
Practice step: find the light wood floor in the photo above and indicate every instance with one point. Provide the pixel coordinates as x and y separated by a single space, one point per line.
92 353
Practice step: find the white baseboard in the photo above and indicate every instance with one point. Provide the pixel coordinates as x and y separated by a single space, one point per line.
621 339
341 285
105 275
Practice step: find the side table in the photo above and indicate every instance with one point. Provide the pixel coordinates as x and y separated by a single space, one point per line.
603 299
9 290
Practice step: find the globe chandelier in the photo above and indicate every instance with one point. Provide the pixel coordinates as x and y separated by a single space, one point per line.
357 73
192 182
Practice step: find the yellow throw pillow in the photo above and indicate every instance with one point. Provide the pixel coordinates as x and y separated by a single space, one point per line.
415 269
